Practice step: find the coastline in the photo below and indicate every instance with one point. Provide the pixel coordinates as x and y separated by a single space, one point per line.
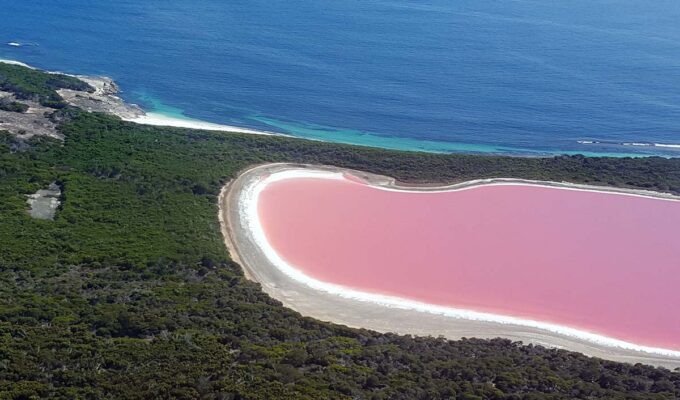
337 304
158 119
14 62
105 99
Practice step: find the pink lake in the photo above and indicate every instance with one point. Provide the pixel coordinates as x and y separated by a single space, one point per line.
602 262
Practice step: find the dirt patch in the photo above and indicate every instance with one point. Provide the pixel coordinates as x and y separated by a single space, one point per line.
44 202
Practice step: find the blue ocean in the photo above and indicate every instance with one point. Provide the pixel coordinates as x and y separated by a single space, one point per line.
530 77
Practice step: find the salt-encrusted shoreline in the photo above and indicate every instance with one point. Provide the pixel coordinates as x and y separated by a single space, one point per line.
246 240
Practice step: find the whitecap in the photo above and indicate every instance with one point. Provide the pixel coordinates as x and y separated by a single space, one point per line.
636 144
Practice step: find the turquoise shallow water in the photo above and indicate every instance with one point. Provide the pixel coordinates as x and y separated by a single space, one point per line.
518 77
407 143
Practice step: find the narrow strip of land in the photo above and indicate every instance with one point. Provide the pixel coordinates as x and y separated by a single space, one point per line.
356 313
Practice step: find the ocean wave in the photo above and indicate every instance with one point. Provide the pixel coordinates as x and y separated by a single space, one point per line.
21 44
636 144
643 144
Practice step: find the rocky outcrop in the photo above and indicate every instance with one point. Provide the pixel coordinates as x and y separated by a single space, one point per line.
104 99
39 120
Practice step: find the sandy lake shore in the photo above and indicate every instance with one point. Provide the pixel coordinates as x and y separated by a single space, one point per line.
354 312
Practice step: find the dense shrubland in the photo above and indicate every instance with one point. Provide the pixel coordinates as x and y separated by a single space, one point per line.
13 106
29 84
130 293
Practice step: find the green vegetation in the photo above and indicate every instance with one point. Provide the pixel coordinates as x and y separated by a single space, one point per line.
129 293
13 106
29 84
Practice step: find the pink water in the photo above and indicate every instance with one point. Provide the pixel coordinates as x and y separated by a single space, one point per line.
606 263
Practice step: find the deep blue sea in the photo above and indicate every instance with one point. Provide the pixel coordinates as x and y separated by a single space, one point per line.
526 77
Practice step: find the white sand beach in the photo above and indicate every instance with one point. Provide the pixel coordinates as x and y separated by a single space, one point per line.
156 119
13 62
